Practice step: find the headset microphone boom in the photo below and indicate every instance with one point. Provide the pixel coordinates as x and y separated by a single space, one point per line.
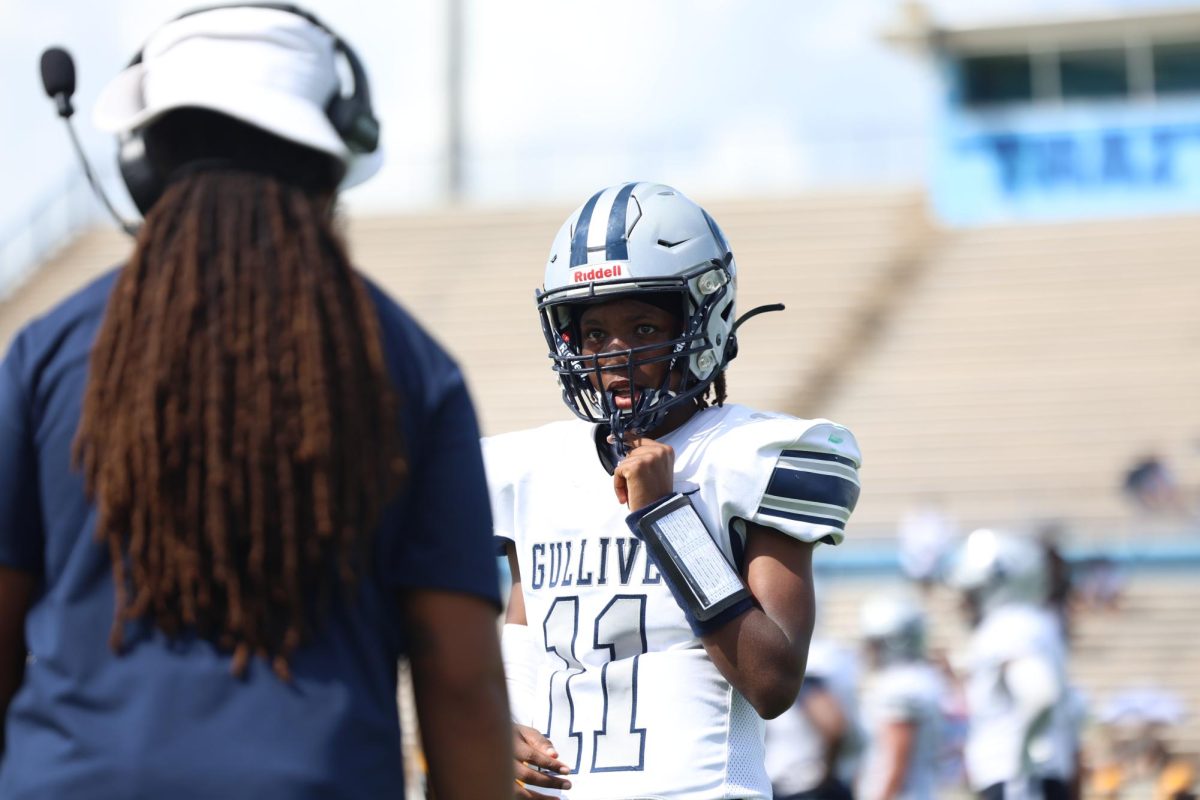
58 79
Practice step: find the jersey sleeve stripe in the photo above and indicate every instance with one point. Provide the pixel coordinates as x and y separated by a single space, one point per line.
803 507
821 467
827 522
813 487
819 455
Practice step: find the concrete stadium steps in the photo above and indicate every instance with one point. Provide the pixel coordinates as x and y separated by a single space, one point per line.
1016 378
470 275
1138 645
1026 368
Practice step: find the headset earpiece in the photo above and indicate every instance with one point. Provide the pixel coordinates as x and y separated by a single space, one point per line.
141 180
352 116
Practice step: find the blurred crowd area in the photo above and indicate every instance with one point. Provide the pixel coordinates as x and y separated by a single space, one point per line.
914 650
1110 612
1013 408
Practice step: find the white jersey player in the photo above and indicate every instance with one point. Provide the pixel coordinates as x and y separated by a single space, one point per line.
1022 739
813 747
902 704
644 649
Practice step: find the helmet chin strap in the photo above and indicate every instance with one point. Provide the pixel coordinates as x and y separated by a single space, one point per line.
618 424
646 413
644 416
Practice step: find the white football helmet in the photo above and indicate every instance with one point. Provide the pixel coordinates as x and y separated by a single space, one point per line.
1000 568
647 239
896 625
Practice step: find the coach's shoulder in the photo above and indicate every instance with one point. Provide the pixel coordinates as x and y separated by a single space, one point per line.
71 323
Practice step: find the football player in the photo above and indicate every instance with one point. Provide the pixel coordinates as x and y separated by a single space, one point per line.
807 745
1022 736
903 703
661 544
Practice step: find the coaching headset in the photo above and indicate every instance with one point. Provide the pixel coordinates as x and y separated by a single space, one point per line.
351 116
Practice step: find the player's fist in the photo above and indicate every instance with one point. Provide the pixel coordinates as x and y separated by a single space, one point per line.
646 474
537 764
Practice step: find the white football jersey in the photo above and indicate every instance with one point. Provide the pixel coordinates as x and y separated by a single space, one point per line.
796 758
996 736
626 692
795 753
910 693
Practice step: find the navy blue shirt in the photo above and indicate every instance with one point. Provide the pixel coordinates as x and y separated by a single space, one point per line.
168 719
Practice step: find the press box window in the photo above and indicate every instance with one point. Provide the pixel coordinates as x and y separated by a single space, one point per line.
991 80
1177 67
1093 74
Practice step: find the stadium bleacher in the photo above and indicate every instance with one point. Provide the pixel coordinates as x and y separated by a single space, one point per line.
1014 370
470 274
1026 367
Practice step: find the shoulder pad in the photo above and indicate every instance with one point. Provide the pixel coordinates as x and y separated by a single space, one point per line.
813 484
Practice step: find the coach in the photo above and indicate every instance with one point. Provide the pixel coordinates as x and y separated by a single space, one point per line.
237 482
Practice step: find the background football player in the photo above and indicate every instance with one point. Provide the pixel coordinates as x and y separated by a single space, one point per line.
807 745
1022 739
643 653
903 703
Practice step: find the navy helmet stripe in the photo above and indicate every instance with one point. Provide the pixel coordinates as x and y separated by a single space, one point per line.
819 456
579 248
716 232
829 522
813 487
616 248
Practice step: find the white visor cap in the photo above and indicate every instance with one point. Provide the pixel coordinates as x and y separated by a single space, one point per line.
266 67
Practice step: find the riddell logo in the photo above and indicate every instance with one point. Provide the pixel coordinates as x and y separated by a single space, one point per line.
597 273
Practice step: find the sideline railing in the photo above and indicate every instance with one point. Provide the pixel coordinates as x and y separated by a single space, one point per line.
1155 549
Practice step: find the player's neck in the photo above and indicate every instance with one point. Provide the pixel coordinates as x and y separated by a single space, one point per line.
674 420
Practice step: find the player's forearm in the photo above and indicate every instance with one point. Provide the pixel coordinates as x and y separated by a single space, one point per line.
1035 688
893 780
898 738
759 660
826 715
763 652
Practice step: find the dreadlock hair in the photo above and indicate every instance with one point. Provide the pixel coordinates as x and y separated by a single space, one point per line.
714 393
239 433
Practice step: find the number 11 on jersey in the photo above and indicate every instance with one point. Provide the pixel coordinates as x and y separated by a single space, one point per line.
619 631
